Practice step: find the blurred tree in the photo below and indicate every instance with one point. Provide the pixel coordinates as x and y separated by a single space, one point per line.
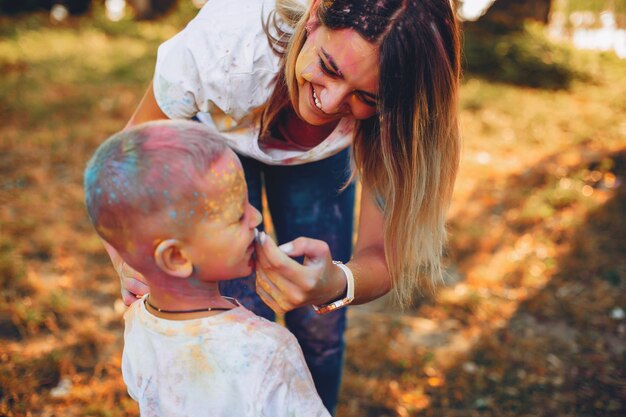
501 46
596 6
144 9
506 16
151 9
75 7
13 7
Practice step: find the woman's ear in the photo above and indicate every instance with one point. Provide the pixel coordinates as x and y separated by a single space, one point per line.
171 258
313 21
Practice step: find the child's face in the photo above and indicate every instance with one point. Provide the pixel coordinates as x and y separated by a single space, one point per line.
222 242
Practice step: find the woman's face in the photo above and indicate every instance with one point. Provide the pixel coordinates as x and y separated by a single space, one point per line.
337 74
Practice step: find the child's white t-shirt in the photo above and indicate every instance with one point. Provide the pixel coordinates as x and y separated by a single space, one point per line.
221 69
230 364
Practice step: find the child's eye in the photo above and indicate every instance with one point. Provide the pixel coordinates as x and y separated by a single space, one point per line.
325 68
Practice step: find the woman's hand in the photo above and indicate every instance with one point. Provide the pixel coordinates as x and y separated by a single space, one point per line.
132 282
284 284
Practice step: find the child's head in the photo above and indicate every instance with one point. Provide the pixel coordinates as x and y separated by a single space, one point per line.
171 198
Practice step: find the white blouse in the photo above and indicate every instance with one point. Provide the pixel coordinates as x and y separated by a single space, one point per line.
221 70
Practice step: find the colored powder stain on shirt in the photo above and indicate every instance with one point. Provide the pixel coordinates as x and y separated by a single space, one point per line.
197 363
172 214
193 328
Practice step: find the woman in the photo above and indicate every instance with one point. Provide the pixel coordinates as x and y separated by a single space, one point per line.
290 87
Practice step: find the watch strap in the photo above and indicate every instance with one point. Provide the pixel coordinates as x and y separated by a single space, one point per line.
327 308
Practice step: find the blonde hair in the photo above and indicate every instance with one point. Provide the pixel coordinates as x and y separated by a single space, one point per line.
408 154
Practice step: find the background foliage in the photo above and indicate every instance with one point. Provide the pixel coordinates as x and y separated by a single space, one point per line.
530 321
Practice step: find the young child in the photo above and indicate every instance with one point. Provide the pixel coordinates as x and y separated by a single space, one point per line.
171 198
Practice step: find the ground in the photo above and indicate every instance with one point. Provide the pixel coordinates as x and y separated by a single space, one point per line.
529 322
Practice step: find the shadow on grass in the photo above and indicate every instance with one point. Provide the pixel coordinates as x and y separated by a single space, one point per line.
541 333
563 352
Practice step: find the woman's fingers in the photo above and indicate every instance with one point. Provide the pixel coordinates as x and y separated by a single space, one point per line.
132 282
284 292
288 283
128 297
132 289
133 285
313 250
269 256
269 301
268 293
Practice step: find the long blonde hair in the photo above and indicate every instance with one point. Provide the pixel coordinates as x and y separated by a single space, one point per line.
408 154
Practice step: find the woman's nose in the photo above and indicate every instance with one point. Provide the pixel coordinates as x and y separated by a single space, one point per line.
333 99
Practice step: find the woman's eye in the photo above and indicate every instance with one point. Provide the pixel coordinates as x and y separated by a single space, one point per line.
365 99
325 68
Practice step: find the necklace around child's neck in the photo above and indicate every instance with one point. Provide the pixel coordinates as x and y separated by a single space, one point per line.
198 310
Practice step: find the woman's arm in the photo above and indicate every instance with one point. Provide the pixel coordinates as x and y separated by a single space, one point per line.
368 265
284 284
147 110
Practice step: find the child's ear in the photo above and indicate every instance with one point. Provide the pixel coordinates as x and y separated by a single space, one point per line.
171 258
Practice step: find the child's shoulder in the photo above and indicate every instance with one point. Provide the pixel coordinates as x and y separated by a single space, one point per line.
259 327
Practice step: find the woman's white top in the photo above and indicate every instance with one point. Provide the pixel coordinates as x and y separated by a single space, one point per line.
221 69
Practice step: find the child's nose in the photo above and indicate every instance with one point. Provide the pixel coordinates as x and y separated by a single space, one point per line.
256 217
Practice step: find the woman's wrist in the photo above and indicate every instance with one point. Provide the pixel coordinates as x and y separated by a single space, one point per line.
344 294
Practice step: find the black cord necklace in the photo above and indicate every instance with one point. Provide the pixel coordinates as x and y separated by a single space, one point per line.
198 310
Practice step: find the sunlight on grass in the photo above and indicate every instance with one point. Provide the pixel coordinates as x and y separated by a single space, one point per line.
540 176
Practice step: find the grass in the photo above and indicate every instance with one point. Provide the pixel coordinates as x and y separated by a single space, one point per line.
526 325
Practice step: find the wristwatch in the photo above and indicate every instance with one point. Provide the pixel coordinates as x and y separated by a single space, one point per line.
327 308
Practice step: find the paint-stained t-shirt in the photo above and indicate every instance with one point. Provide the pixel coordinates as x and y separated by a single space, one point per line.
230 364
221 69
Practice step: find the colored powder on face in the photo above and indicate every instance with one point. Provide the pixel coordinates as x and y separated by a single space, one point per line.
228 191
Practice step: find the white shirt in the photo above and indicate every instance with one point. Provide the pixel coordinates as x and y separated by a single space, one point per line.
233 364
221 69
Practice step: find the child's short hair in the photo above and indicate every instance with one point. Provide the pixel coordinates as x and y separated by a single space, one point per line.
148 169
